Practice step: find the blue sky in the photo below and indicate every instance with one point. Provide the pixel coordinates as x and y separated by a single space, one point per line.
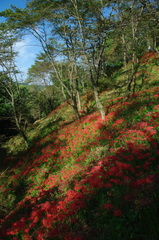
4 4
28 46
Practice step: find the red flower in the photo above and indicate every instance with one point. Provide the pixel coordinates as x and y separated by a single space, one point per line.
117 212
27 237
118 122
108 206
108 185
45 206
156 95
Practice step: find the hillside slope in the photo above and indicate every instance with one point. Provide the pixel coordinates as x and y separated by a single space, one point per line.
87 179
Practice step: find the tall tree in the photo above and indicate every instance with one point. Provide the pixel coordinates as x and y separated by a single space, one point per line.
42 85
152 20
35 19
10 89
83 30
129 15
90 35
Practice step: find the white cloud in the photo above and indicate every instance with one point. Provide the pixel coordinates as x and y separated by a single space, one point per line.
27 50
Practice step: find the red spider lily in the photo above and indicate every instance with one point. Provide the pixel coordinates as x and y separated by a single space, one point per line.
108 206
108 185
117 213
116 181
27 237
118 122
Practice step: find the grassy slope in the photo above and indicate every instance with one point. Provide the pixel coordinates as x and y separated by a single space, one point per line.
87 179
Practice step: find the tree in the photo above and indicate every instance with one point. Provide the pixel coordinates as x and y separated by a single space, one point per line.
83 30
91 41
152 17
10 89
129 25
74 34
45 96
35 22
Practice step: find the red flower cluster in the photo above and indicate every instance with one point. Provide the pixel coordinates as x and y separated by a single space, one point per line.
70 177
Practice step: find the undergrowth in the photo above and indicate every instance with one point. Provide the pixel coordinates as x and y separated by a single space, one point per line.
86 179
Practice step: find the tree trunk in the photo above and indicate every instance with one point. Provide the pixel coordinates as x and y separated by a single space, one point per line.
129 79
79 101
20 129
133 50
98 103
22 134
75 108
124 49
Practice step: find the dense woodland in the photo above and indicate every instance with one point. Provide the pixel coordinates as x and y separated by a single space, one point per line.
83 163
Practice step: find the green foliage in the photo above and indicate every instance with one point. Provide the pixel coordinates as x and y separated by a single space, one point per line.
5 108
